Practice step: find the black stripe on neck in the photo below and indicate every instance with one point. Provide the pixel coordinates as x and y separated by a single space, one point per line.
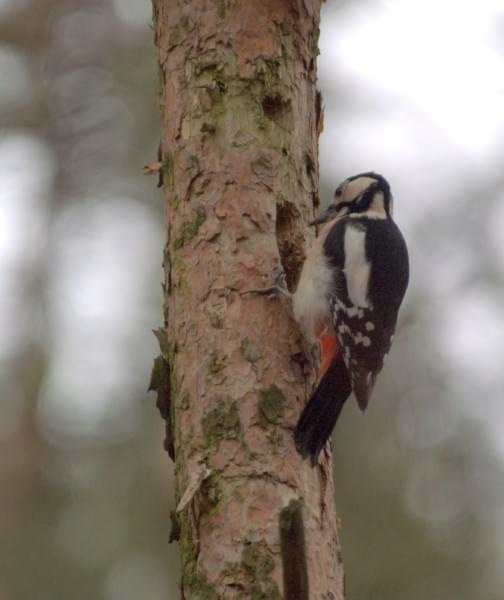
363 202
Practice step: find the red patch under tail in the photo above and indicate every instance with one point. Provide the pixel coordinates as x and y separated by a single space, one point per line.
329 349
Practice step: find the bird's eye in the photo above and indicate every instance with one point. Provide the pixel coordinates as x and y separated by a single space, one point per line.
337 193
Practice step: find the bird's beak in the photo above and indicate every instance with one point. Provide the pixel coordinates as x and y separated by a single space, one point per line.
322 218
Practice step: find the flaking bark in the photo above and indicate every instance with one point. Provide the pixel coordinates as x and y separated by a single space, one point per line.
240 119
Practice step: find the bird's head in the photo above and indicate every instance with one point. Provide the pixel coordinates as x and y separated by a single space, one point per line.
363 193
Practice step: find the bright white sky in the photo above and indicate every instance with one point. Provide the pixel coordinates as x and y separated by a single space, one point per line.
441 57
425 79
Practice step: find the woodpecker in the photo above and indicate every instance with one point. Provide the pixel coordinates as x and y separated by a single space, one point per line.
351 287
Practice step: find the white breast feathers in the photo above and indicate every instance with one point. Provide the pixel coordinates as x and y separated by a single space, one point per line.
310 302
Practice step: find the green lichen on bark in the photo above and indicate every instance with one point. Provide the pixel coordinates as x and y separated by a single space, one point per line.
195 583
239 109
268 80
250 351
222 7
185 401
221 423
216 363
189 229
276 439
179 32
314 41
271 92
216 321
168 168
211 493
271 405
193 165
215 492
258 562
175 201
211 73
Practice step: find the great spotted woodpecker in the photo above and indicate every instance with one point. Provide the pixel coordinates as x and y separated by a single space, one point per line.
351 286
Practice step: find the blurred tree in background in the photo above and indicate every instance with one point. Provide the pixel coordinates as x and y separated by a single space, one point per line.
84 485
85 488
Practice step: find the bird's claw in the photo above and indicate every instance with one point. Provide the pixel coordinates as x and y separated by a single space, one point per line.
278 287
279 280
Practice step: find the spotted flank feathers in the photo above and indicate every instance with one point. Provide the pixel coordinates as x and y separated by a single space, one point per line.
362 345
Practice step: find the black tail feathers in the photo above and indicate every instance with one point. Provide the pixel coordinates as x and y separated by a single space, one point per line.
322 411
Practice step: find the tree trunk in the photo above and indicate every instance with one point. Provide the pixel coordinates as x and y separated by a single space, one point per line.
240 118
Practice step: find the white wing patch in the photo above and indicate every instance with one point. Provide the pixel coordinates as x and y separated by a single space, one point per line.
356 269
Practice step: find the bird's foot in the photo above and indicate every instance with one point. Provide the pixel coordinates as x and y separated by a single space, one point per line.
277 288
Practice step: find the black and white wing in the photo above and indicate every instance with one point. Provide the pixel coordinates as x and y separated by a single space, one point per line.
371 260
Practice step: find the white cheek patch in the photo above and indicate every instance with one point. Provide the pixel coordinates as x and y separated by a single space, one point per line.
357 269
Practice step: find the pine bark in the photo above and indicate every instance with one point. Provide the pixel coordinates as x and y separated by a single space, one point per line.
240 123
